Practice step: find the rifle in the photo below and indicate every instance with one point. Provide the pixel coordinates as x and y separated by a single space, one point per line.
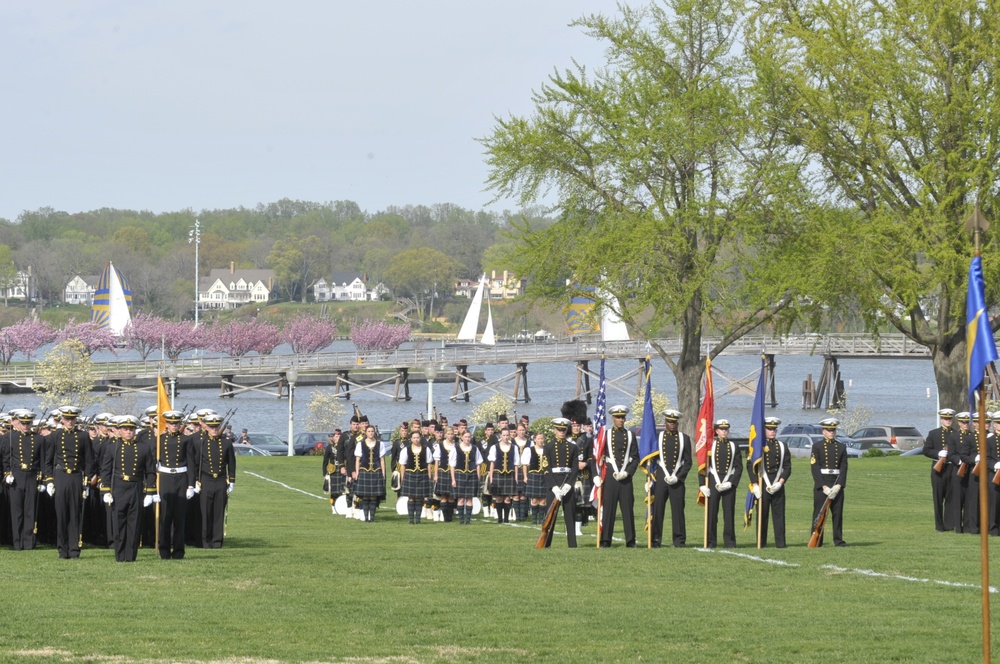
817 531
940 464
229 416
549 524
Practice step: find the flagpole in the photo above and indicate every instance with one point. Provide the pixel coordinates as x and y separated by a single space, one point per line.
976 223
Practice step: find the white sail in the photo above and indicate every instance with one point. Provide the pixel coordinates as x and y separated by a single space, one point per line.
118 314
471 322
488 338
612 327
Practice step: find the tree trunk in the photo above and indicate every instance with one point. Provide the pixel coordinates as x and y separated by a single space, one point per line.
949 373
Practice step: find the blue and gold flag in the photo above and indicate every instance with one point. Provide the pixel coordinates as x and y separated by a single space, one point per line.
756 439
980 349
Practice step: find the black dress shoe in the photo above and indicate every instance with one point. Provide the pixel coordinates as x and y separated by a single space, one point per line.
841 543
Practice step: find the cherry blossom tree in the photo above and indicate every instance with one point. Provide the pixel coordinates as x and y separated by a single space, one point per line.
378 335
306 334
25 337
92 337
237 338
144 334
179 337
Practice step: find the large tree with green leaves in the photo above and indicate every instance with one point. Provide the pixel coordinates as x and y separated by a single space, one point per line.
896 104
671 193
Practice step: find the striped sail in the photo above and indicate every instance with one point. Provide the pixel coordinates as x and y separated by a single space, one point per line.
112 301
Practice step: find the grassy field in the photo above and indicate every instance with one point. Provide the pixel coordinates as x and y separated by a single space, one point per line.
294 583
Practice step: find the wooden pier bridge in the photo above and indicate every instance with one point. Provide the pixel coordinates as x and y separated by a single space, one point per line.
382 371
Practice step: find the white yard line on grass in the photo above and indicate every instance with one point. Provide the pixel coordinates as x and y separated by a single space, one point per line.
769 561
290 488
900 577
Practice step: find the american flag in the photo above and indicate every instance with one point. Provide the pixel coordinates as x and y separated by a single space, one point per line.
600 428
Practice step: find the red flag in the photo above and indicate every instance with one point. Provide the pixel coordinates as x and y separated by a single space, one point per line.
704 427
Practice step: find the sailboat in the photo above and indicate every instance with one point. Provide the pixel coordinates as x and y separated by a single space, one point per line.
581 318
612 326
112 306
470 325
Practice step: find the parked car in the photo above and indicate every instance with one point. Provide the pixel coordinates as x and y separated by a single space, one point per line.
269 442
306 442
865 445
800 444
242 449
790 429
899 437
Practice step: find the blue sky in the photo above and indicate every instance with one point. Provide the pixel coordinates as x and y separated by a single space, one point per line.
168 105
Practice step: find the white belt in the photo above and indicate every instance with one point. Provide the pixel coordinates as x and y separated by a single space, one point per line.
560 469
172 471
829 471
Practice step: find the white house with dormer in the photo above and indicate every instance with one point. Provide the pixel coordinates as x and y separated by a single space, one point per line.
81 289
346 287
234 287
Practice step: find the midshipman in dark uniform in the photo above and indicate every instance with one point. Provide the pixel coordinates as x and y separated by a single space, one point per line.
68 465
175 467
936 448
128 484
725 467
215 473
768 481
672 468
829 471
559 461
22 464
621 461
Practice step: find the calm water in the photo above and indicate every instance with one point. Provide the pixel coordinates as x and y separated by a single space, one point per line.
893 391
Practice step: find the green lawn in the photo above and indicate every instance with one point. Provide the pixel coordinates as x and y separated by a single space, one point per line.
294 583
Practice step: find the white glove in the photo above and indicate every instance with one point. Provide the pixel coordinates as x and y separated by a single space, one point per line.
724 486
86 492
756 491
598 481
197 487
943 453
834 491
229 488
620 475
190 493
775 488
50 489
564 490
705 491
977 458
557 491
9 479
108 499
156 497
996 466
147 501
826 490
326 477
671 480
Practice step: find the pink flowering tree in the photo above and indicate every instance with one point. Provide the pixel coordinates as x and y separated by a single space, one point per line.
179 337
25 337
306 334
144 334
92 337
237 338
377 335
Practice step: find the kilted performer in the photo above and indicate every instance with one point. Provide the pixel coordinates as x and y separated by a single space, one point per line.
416 464
444 455
334 470
465 467
504 462
521 441
535 488
369 474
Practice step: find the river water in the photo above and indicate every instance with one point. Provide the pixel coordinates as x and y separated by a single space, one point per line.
879 391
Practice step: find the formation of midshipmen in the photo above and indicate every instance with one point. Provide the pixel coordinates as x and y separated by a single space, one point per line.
957 452
513 474
113 481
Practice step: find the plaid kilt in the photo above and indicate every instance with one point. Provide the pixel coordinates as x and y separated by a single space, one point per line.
370 484
416 485
503 484
442 486
339 482
536 486
467 485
